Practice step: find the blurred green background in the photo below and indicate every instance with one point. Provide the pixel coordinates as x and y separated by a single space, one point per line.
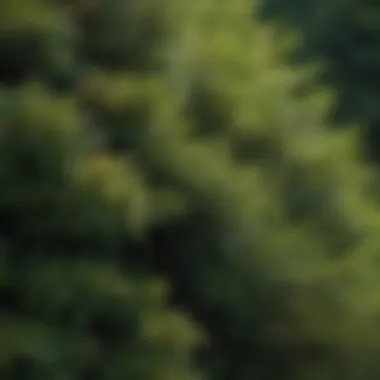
189 190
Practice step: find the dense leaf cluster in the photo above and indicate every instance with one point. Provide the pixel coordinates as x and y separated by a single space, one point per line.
173 205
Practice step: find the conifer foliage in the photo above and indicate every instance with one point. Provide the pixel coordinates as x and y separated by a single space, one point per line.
345 35
173 206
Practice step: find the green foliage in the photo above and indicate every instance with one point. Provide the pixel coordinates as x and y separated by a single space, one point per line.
70 306
345 35
179 151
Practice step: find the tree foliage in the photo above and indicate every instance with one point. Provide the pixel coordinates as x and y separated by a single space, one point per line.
162 145
345 35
